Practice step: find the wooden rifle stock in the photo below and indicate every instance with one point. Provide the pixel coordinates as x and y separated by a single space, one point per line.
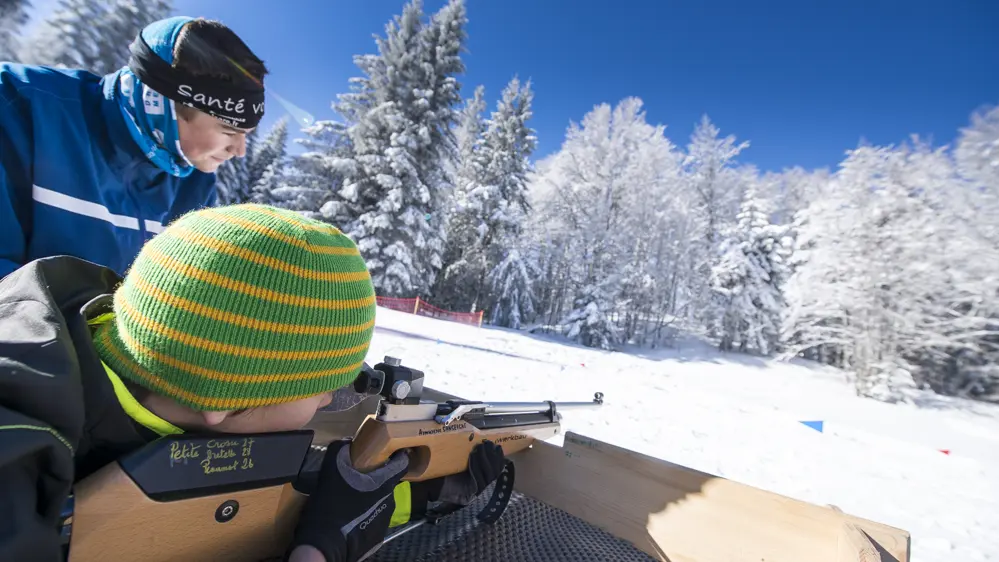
116 518
436 450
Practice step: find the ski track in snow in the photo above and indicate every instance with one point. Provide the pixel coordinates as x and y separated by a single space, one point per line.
737 416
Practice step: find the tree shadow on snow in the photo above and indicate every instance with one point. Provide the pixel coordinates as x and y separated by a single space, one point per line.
699 352
462 345
928 400
687 351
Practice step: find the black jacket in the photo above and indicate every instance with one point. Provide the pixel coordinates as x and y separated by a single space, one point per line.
59 417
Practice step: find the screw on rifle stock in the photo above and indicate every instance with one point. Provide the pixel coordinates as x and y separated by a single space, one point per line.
227 511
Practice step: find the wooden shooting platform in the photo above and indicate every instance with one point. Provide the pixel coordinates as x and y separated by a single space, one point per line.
668 512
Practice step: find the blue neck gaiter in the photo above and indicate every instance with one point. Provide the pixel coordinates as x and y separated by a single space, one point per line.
150 117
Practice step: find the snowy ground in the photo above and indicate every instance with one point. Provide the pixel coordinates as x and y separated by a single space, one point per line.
737 416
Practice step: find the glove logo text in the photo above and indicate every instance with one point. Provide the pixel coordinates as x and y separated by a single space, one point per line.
368 521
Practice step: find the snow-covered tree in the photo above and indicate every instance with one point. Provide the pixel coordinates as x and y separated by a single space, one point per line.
749 278
311 181
92 34
892 281
716 186
13 17
492 203
266 168
456 286
589 322
239 179
395 171
468 136
232 179
709 165
977 155
499 193
790 191
269 153
977 149
592 193
512 283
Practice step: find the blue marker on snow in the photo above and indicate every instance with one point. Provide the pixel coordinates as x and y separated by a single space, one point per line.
816 425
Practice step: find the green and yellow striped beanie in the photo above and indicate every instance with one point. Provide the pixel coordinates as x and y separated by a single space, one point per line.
242 306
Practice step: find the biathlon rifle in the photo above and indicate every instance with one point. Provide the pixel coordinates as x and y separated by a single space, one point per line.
236 497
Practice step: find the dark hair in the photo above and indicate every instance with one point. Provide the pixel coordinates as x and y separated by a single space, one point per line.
209 48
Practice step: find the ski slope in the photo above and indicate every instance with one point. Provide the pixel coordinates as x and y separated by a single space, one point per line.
738 417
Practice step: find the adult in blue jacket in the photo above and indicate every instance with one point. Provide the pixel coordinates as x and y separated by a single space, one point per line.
94 166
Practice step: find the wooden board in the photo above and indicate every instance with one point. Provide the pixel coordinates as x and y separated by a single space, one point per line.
114 520
677 514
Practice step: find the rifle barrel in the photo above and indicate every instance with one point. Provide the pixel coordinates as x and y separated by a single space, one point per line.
526 407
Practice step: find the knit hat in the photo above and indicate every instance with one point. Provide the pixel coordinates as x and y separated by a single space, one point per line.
242 306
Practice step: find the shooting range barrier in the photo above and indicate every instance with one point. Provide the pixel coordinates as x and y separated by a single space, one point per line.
423 308
589 501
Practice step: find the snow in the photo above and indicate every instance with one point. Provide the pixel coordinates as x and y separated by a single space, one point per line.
737 416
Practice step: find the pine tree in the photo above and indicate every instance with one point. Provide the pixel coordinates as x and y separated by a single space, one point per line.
232 179
270 181
268 154
494 199
708 163
312 180
395 174
13 17
512 282
92 34
499 194
749 278
590 320
468 135
266 168
239 178
716 189
456 287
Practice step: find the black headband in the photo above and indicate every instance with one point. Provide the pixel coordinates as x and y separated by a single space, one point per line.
237 107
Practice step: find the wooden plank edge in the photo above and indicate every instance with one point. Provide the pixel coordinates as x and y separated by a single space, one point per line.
545 472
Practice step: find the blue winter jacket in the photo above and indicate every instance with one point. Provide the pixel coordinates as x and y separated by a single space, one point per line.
72 179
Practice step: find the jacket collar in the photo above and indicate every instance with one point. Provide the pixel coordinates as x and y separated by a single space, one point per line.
125 151
97 312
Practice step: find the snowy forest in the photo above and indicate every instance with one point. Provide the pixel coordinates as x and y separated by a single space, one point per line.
886 266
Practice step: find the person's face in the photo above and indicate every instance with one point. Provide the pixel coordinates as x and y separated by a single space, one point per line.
286 416
207 142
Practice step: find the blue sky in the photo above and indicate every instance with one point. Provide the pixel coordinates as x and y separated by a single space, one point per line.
802 80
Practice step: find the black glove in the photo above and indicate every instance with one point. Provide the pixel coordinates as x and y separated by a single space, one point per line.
485 463
348 513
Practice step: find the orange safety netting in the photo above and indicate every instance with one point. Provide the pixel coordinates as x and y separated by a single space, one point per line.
423 308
